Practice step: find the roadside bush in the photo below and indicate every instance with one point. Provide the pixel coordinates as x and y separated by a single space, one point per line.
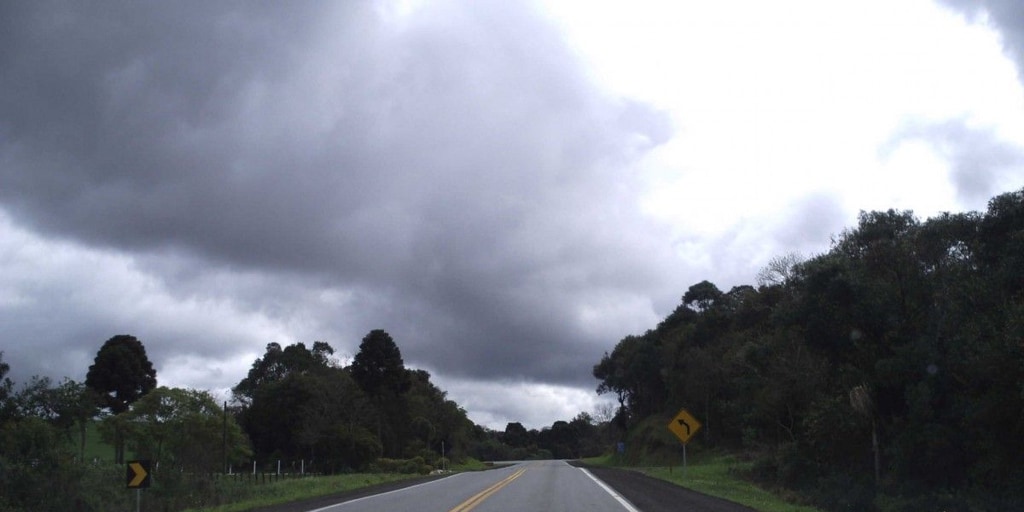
413 466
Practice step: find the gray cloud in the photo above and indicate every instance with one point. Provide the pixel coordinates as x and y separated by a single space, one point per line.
1007 16
453 173
978 158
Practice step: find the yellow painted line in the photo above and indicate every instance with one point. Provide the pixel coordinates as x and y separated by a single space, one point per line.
479 497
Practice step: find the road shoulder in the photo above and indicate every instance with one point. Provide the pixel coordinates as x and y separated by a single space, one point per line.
650 494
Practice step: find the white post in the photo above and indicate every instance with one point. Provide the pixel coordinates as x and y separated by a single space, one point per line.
278 467
254 467
302 467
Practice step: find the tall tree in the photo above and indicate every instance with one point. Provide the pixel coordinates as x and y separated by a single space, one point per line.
120 375
378 367
379 370
702 296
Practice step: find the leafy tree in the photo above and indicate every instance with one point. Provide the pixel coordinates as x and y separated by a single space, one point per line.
378 367
277 363
516 435
702 296
295 403
185 429
35 468
120 375
889 366
633 372
74 405
379 370
434 420
6 386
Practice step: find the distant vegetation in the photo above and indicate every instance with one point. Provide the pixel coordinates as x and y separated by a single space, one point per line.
62 447
886 374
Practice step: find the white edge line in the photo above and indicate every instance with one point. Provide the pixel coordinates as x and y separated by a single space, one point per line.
618 497
328 507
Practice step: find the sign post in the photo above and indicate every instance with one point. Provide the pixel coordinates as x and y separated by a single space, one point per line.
684 426
137 477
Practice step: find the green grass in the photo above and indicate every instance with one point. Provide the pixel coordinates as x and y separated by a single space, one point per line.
470 464
717 475
95 447
287 491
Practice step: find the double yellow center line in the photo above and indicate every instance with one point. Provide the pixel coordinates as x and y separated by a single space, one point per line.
477 499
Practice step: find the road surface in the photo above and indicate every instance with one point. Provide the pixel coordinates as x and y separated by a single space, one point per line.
527 486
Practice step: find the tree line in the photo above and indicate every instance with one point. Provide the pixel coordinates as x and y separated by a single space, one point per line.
296 405
885 374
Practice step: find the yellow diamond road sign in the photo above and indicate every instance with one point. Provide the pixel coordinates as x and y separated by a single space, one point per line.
684 425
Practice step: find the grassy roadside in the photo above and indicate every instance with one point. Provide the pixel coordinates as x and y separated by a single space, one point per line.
286 491
715 475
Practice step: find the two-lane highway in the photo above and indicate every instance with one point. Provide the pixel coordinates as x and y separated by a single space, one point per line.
527 487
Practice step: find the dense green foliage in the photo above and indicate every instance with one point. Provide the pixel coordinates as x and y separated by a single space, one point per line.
297 404
885 374
121 373
583 436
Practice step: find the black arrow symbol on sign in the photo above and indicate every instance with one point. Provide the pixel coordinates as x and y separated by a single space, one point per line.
685 424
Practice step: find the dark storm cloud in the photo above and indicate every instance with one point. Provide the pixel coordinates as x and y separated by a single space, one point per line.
456 166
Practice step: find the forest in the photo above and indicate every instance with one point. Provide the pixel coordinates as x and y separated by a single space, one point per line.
885 374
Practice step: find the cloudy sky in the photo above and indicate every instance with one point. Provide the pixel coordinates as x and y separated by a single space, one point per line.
508 188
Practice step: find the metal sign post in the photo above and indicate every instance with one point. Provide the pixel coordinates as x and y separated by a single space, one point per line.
137 477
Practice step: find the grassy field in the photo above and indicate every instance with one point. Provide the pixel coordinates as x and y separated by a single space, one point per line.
717 475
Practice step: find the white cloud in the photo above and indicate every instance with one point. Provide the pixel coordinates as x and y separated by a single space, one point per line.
494 404
776 102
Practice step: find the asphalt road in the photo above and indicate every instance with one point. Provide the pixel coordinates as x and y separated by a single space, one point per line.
528 486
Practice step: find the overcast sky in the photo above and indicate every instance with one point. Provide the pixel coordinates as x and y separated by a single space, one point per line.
507 188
